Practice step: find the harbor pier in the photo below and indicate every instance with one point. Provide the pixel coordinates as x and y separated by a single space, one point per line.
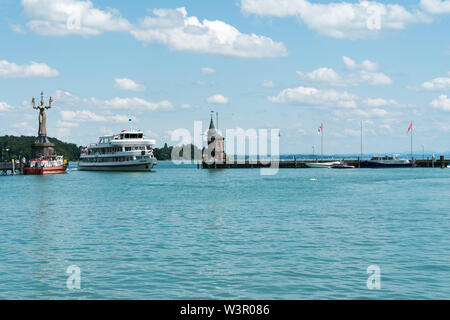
247 164
12 167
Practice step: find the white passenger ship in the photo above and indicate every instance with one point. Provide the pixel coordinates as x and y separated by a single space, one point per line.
127 151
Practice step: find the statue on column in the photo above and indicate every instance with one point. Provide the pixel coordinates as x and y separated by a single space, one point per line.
42 115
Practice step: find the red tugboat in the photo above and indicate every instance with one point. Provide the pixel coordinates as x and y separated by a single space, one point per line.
44 159
47 165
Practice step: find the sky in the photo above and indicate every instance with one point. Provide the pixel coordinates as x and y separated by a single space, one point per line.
261 64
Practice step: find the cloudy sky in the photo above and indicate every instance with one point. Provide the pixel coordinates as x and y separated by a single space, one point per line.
287 64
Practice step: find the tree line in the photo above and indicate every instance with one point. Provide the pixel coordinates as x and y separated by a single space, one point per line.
12 147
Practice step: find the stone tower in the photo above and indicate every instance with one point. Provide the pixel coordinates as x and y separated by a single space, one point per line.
215 152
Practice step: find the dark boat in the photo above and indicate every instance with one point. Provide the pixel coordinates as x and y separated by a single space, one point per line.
386 162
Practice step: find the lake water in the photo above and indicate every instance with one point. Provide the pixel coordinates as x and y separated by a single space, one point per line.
184 233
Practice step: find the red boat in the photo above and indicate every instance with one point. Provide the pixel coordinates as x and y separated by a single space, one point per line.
342 166
46 165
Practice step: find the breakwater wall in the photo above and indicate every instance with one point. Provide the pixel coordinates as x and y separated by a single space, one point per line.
422 163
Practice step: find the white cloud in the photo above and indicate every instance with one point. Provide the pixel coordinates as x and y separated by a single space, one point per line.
66 17
372 78
372 113
313 96
268 84
81 115
436 6
387 127
186 106
366 64
122 118
66 124
17 28
379 102
442 103
172 27
218 99
338 20
365 73
4 106
324 75
71 117
128 84
178 31
349 63
24 128
133 104
369 65
208 70
361 73
34 69
441 83
66 98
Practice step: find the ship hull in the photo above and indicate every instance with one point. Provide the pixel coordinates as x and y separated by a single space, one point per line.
371 164
323 165
44 170
136 167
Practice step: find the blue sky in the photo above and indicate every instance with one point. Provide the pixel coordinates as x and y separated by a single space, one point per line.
261 64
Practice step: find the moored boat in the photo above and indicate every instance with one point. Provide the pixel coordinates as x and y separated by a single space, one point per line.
321 164
46 165
342 166
127 151
386 162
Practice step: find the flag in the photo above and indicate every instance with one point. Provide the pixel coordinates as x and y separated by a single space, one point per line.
410 127
320 129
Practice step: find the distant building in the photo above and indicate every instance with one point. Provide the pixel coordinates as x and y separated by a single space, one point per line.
215 152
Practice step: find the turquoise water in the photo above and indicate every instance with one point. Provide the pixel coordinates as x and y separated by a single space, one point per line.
183 233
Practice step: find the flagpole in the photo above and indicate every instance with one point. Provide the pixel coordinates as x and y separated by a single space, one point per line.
411 143
321 141
360 158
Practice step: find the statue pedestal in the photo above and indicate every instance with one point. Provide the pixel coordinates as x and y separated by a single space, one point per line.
42 147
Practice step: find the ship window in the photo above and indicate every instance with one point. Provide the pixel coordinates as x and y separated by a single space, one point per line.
127 136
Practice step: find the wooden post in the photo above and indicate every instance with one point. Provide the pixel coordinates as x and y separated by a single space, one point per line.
442 162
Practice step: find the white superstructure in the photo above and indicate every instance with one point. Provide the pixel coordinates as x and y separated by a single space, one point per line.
127 151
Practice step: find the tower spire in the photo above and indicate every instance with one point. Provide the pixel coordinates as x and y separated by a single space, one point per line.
211 124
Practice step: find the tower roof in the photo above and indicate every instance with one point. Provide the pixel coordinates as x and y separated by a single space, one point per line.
211 124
